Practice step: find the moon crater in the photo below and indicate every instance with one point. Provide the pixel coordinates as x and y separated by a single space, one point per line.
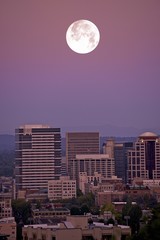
82 36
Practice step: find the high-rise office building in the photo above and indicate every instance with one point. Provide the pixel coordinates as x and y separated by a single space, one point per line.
120 156
91 163
80 143
37 156
118 151
144 158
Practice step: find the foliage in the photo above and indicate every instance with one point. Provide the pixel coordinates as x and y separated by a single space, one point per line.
75 210
146 201
79 193
84 209
21 211
108 207
152 229
135 213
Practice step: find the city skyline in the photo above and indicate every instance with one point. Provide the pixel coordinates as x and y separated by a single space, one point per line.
43 81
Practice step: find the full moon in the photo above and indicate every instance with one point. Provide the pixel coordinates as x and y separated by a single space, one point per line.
82 36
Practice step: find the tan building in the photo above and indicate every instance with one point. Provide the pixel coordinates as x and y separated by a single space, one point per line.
76 227
61 189
91 163
38 156
108 147
97 183
80 143
144 158
8 227
85 179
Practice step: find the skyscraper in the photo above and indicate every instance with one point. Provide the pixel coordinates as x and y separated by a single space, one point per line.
144 158
91 163
37 156
118 151
80 143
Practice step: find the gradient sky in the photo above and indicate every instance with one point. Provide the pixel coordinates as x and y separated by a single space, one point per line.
43 81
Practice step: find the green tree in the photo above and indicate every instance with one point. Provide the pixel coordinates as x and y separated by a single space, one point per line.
135 214
75 210
108 207
21 210
84 209
79 192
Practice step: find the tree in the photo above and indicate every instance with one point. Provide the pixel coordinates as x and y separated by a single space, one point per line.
108 207
79 192
75 210
134 213
21 210
84 209
152 228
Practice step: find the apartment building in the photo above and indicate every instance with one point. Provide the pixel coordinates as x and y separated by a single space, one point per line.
61 189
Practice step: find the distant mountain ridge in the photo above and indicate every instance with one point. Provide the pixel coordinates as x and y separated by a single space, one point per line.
120 134
7 142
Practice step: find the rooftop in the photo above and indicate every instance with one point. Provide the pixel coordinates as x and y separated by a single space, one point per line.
148 134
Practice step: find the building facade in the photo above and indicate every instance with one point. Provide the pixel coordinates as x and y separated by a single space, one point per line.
38 156
144 158
61 189
75 227
8 227
5 208
91 163
118 151
80 143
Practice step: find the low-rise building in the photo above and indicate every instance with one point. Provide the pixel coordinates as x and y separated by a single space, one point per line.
85 180
75 227
57 213
8 227
108 197
135 191
118 206
61 189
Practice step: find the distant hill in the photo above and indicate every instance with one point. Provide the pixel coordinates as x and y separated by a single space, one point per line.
7 142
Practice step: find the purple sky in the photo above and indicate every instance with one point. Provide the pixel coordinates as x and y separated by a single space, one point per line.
43 81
